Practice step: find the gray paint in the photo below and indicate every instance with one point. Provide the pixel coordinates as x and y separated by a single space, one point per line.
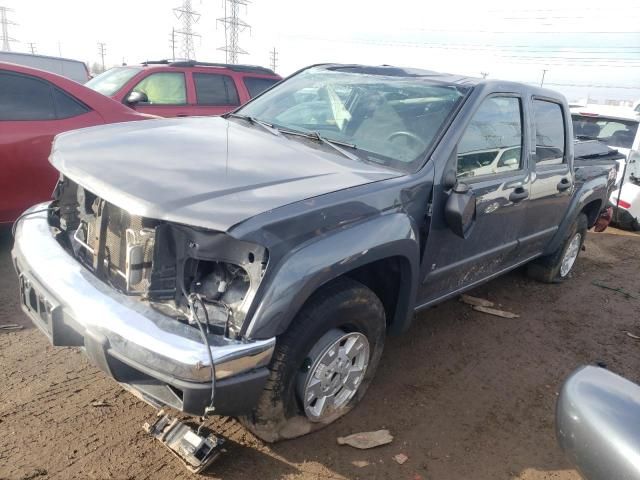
320 214
203 171
598 424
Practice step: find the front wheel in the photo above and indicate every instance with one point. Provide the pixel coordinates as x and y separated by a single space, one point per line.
557 266
323 364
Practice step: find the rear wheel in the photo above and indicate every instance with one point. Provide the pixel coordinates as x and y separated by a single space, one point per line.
556 267
323 364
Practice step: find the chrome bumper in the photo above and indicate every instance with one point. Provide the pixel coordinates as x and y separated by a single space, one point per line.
72 307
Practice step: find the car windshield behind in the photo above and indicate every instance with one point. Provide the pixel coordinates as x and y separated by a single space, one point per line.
109 82
612 131
391 120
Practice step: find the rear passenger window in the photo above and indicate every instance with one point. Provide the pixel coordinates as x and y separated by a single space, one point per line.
66 105
212 89
258 85
550 133
25 98
492 143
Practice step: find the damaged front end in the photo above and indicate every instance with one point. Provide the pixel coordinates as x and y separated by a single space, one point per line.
165 264
157 305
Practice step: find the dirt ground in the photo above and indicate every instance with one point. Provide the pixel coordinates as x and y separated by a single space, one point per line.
466 395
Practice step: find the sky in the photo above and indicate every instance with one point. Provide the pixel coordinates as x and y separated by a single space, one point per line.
588 48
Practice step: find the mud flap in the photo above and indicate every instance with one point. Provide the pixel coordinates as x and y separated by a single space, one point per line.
196 451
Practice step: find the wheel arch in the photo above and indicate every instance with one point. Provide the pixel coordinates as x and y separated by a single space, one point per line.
362 252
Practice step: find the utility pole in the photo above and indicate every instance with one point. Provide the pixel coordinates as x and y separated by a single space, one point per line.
188 16
484 74
233 25
5 22
32 47
102 51
544 71
273 59
172 42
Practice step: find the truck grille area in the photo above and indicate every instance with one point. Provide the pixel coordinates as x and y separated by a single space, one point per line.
116 245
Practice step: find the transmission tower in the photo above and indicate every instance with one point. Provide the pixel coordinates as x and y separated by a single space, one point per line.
233 25
102 51
273 59
188 16
5 22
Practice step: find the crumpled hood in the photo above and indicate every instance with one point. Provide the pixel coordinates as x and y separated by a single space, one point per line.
203 171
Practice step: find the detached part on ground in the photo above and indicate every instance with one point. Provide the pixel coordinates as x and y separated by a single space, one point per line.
196 451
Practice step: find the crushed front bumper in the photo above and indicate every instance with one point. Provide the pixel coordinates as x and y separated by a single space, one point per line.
161 360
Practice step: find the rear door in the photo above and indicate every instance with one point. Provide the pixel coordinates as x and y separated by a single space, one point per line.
552 179
32 112
492 161
215 94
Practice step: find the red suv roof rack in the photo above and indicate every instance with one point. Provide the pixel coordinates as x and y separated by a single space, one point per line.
195 63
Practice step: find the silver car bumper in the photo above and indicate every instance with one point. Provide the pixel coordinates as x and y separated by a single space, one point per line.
72 307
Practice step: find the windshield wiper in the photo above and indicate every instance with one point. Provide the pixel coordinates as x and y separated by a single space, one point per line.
266 126
334 144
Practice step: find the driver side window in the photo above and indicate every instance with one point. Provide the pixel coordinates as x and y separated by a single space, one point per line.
492 142
163 88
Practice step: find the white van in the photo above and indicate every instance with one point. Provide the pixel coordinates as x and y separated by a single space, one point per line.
73 69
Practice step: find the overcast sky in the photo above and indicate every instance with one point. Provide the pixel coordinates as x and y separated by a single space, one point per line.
584 42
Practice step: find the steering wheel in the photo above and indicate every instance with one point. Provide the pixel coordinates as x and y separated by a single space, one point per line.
409 135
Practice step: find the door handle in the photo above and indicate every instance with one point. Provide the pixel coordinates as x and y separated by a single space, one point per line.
563 185
520 193
182 115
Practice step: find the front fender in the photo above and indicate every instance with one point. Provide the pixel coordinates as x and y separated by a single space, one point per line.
594 189
326 257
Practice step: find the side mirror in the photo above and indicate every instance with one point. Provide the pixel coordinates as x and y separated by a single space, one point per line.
597 419
460 209
136 97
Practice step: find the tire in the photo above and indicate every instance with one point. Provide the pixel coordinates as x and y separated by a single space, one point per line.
343 306
549 269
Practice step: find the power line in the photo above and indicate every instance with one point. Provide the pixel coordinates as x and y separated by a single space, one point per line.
102 51
273 59
5 22
189 17
233 25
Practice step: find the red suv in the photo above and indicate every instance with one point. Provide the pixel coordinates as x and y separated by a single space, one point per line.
180 89
34 107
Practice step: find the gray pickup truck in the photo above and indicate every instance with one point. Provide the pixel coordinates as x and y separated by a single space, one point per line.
251 265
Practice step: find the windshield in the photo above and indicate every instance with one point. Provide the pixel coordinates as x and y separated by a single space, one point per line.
612 131
388 119
109 82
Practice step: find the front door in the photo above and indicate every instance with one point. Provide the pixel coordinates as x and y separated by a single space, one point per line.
491 160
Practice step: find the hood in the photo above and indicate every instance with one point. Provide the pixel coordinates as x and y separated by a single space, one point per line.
204 171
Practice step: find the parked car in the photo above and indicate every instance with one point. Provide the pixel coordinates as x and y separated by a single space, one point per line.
257 272
618 128
66 67
34 107
184 88
598 424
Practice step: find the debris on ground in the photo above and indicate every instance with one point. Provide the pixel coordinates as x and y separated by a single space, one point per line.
495 311
11 326
100 403
400 458
360 463
365 440
621 290
631 335
475 301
